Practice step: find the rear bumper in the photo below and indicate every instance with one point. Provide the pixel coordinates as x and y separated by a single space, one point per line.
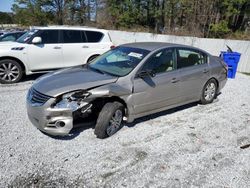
56 122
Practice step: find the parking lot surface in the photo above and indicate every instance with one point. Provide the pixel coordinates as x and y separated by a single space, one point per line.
190 146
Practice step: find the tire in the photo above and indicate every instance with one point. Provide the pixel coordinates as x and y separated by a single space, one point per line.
104 127
209 92
92 58
10 71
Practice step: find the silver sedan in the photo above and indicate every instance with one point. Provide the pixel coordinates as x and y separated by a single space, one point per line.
125 83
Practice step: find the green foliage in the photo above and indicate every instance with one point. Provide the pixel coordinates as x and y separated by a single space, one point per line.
5 18
31 12
204 18
219 30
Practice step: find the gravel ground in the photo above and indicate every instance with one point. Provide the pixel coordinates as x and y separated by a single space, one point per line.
191 146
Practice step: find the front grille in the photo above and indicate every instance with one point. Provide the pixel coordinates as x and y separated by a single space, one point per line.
36 98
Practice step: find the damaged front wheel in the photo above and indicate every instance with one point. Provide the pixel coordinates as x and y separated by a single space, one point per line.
110 120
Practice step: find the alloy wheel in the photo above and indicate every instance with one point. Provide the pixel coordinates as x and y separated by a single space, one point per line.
210 91
115 122
9 72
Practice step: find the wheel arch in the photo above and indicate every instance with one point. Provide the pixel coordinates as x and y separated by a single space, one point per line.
217 82
15 59
92 56
104 100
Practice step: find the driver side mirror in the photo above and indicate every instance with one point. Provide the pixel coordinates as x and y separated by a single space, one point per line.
37 40
146 73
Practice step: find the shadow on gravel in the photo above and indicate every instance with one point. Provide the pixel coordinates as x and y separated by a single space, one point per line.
163 113
80 127
32 77
76 131
28 79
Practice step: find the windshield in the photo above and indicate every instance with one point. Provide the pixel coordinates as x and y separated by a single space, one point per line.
25 37
120 61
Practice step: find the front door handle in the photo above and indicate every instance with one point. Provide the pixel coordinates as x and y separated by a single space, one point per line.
57 47
85 46
174 80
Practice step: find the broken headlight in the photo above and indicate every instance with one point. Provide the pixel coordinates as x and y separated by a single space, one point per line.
73 100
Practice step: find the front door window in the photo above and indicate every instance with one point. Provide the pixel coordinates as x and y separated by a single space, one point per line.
160 62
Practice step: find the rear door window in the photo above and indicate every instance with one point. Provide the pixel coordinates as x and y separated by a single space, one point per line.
189 57
73 36
93 36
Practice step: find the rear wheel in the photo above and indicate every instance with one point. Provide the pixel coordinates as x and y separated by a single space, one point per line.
110 120
92 58
209 92
10 71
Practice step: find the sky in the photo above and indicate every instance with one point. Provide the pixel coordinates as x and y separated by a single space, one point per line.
5 5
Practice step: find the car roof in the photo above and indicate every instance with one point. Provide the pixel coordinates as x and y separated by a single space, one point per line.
152 46
70 28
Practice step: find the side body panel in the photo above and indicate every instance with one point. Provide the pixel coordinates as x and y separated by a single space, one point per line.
45 56
218 71
192 80
48 54
156 92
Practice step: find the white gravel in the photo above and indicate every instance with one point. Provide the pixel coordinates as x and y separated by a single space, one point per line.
192 146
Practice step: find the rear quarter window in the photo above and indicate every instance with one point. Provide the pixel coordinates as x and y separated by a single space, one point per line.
93 36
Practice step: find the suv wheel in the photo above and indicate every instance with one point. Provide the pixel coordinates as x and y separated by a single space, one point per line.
92 58
10 71
110 120
209 92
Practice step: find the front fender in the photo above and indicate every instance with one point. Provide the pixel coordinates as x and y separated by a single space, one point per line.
111 90
114 90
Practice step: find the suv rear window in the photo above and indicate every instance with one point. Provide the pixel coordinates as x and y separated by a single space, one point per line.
94 36
73 36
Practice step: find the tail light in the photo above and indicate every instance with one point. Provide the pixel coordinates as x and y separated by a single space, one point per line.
112 47
224 64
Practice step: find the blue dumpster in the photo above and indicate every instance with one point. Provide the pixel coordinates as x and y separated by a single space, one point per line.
231 59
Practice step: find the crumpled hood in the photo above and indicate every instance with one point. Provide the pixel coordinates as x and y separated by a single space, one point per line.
71 79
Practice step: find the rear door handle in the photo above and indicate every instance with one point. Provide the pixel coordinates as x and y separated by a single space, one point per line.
57 47
85 46
205 71
174 80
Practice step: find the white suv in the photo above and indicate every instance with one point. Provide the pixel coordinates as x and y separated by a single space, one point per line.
47 48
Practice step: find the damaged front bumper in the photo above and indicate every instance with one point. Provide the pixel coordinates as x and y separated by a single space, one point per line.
54 116
54 121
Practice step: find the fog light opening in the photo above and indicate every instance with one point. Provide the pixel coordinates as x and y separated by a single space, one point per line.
60 124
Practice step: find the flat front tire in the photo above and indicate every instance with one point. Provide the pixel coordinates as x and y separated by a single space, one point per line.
209 92
10 71
110 120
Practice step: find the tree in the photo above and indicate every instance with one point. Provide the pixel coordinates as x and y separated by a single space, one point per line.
30 12
203 18
5 18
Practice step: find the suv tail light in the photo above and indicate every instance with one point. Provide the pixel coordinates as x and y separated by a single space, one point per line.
112 47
